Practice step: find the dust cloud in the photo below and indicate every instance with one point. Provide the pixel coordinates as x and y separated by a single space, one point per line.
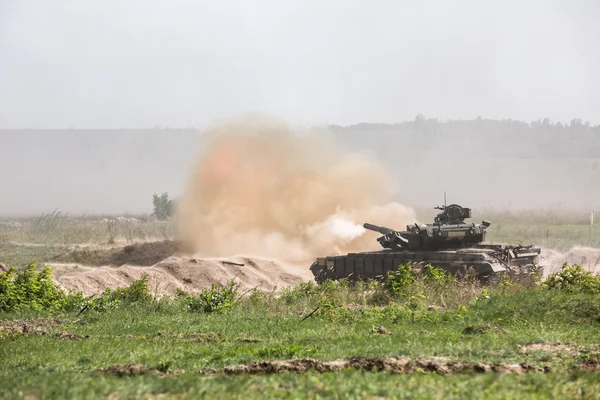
587 257
261 187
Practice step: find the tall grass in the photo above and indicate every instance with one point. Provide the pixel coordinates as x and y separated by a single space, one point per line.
57 228
186 335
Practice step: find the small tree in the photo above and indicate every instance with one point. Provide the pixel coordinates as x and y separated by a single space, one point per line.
162 206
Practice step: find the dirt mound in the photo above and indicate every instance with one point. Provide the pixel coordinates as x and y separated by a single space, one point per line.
186 273
144 253
91 271
121 370
591 364
587 257
391 364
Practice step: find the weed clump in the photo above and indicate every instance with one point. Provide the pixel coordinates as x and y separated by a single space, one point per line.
138 292
36 291
406 279
213 299
429 287
573 278
33 290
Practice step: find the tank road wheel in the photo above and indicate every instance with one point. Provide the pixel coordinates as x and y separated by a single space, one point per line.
319 272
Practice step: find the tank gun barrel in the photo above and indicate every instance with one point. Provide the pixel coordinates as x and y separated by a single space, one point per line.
381 229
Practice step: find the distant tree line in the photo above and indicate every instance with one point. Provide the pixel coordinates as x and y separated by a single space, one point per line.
503 138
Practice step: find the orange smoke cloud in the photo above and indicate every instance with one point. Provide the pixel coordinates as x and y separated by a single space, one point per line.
261 188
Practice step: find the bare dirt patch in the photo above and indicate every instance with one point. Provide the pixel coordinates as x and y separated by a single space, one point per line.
391 364
64 335
126 370
591 364
38 326
121 370
210 337
549 348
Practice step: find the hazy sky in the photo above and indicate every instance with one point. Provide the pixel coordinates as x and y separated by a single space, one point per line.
143 63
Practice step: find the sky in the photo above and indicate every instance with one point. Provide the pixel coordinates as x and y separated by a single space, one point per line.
146 63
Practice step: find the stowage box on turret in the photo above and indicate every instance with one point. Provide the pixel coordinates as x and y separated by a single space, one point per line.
449 243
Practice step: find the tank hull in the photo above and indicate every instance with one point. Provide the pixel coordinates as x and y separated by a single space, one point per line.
481 260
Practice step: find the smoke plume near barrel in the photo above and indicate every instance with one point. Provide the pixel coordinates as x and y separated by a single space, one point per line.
260 187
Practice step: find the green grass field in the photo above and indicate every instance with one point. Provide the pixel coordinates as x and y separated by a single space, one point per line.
59 351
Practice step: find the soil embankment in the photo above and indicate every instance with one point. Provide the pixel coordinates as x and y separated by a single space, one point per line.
92 271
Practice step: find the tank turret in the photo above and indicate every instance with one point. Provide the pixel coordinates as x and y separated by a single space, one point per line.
449 230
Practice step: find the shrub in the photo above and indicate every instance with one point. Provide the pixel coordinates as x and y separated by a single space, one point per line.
437 276
405 277
574 279
137 292
214 299
401 279
33 290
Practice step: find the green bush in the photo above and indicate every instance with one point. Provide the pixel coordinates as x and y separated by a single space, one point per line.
401 279
574 278
213 299
137 292
36 291
437 276
406 278
33 290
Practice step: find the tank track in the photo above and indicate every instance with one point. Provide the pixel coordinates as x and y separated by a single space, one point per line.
483 261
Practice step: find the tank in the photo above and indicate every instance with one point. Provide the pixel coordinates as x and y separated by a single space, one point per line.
449 243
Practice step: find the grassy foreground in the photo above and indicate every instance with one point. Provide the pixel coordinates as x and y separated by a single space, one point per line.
56 345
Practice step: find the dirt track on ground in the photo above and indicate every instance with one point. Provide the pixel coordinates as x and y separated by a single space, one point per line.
391 364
